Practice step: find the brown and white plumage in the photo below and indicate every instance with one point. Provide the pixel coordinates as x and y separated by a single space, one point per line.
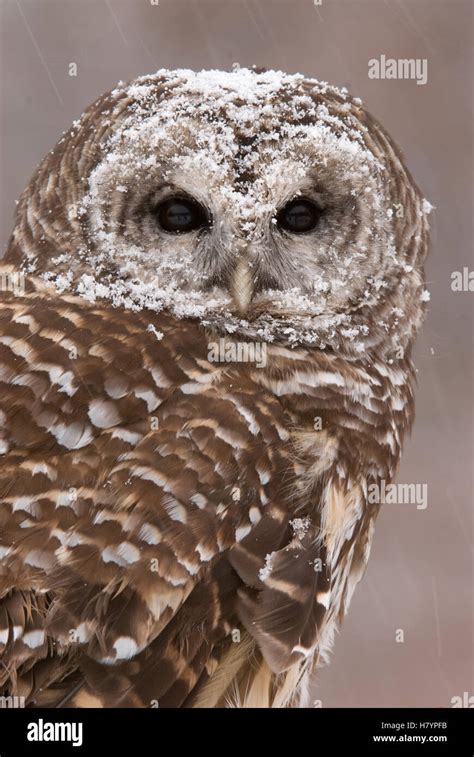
154 502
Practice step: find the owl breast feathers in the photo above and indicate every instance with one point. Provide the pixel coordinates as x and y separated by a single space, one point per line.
182 524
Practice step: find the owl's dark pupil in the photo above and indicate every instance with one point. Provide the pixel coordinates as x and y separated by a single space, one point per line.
299 216
181 215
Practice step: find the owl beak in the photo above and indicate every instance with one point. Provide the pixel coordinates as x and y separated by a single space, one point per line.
241 285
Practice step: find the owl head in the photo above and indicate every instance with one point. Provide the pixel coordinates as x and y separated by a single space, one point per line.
266 205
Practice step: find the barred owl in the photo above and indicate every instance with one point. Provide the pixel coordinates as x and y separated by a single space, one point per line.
181 524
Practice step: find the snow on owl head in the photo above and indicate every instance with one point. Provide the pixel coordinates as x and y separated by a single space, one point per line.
266 205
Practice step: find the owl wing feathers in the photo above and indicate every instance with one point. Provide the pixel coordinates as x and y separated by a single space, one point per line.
281 609
141 495
286 615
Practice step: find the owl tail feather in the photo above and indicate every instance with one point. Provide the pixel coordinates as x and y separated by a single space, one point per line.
244 680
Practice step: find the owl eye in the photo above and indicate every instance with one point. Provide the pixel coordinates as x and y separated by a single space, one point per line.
299 216
181 215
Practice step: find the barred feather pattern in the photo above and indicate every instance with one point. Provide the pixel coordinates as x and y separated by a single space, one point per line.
130 553
177 531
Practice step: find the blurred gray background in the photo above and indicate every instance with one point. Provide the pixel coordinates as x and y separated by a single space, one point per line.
420 576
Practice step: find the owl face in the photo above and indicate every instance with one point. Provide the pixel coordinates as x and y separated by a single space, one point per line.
261 203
